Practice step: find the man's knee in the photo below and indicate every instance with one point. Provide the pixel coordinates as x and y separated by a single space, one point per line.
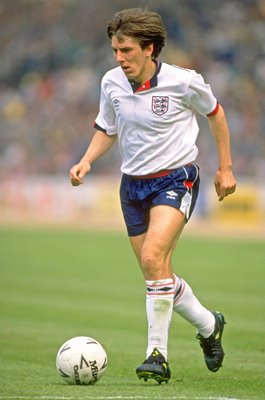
149 258
152 262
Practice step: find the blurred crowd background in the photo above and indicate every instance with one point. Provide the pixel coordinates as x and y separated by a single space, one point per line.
53 56
54 53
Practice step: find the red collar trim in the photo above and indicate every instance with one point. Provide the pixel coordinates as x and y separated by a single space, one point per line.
145 86
149 84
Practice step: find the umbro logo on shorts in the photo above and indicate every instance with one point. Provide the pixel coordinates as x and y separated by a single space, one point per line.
171 194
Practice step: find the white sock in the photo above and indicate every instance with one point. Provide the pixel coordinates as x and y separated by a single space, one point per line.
189 307
159 306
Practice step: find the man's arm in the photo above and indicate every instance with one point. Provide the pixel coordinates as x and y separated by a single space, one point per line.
99 145
224 181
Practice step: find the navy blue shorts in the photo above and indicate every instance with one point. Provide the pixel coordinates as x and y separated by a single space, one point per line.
178 189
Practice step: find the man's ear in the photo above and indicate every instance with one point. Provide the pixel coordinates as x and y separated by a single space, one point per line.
149 50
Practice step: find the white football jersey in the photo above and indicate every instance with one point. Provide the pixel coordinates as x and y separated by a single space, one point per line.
156 122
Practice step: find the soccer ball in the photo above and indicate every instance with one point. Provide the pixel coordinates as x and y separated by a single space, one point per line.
81 361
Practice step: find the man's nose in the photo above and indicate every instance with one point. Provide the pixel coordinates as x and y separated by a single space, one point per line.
119 56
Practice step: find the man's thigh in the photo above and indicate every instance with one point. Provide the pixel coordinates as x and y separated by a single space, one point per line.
165 226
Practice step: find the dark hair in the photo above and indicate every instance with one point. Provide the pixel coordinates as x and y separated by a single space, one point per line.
145 26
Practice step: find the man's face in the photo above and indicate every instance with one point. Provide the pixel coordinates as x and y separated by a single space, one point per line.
134 61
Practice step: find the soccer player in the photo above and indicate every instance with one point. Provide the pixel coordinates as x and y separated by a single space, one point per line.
150 108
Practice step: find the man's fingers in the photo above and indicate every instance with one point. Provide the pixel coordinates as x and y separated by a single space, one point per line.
222 192
77 174
76 182
74 176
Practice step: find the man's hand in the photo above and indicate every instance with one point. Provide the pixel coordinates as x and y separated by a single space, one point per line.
225 183
78 172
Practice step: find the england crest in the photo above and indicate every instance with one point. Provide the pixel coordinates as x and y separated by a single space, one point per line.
160 104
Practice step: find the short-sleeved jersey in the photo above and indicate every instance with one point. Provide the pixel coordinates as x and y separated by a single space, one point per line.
156 122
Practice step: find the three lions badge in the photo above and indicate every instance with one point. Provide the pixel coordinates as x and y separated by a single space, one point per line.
160 104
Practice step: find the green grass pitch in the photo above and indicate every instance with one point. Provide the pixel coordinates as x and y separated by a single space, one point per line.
58 284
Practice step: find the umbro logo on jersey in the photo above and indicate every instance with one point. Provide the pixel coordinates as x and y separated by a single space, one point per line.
116 103
160 104
171 195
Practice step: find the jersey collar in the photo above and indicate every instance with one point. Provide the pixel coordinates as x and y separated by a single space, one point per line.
136 87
